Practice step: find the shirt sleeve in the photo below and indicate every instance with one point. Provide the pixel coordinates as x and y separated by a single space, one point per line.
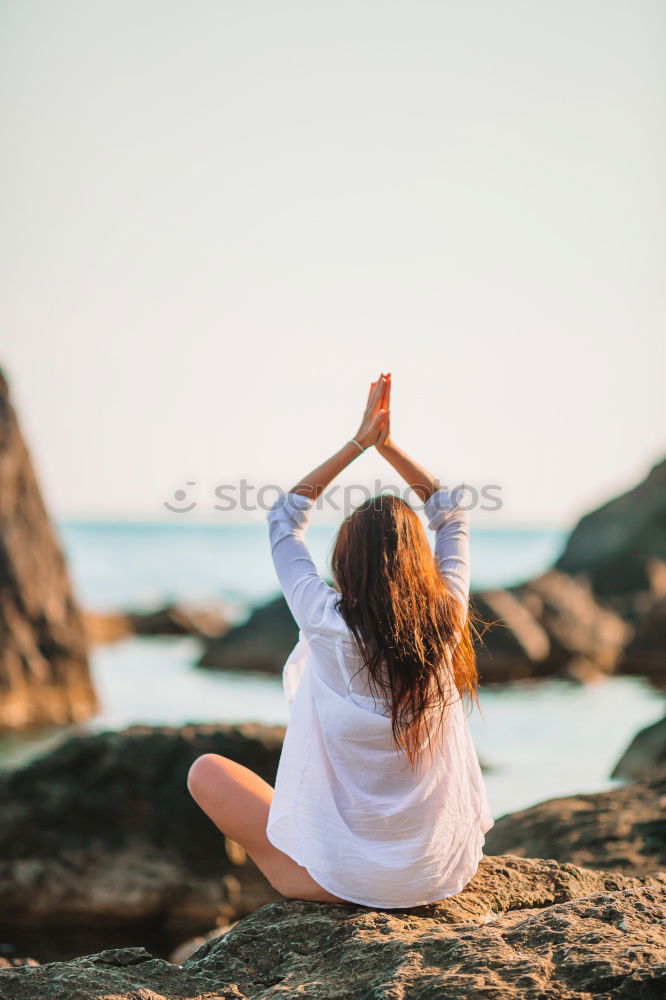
451 526
305 592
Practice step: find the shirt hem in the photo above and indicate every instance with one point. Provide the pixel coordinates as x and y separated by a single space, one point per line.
329 886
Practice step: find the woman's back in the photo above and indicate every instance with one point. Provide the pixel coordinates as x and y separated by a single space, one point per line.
348 804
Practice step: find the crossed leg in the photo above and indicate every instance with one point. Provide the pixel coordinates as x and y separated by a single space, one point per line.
237 801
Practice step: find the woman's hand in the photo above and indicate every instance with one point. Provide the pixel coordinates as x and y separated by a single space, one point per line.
374 429
376 419
385 435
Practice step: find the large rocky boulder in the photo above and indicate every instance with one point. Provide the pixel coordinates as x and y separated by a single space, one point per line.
579 628
552 624
614 544
44 676
103 831
529 930
621 830
645 757
512 644
261 644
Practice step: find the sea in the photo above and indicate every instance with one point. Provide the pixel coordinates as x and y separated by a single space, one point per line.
537 739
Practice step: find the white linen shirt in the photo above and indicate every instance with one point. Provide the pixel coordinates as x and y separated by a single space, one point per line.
347 805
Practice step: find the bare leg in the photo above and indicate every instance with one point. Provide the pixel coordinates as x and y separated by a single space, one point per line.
237 801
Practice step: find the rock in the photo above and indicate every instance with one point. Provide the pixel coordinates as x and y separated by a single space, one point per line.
614 544
105 627
645 654
103 831
10 957
202 622
205 622
578 627
44 675
529 930
645 757
620 830
262 643
550 625
514 646
188 948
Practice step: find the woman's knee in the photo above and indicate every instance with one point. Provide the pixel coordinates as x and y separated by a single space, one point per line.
201 772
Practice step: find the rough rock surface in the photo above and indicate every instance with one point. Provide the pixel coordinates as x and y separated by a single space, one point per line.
621 830
645 757
614 544
262 643
44 676
529 930
103 831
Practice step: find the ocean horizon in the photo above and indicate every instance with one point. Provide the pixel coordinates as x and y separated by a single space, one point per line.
117 564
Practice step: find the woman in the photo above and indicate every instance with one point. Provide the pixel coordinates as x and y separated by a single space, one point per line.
379 799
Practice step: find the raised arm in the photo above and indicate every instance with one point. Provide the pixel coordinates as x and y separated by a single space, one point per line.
421 481
373 426
451 526
306 594
445 517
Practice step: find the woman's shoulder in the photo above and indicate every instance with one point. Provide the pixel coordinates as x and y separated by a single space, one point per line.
329 624
332 620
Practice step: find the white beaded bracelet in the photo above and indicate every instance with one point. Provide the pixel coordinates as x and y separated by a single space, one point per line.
354 441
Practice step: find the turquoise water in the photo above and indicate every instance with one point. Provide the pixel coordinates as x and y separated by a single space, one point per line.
116 565
540 739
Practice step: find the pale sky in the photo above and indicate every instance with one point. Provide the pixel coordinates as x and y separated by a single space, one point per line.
220 220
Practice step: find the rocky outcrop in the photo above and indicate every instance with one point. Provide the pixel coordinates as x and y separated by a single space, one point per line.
105 627
44 676
205 622
645 654
550 625
512 644
103 831
578 627
529 930
645 757
614 544
262 643
620 830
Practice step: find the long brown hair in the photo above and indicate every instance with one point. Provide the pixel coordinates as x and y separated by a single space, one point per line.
412 632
